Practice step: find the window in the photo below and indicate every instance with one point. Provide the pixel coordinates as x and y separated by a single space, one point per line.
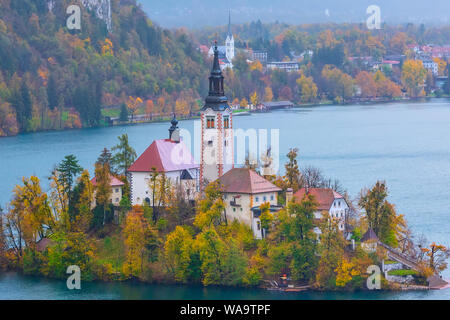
117 190
234 209
241 209
258 225
272 198
226 122
209 122
264 198
117 199
256 199
210 143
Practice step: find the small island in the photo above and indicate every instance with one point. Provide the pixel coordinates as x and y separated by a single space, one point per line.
155 218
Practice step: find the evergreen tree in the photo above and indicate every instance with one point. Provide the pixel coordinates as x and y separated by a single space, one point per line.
105 157
21 100
52 93
123 113
68 169
125 155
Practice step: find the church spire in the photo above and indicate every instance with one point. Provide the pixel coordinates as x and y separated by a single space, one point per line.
216 98
230 34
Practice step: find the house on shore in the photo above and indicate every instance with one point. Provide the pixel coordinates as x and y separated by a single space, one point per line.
169 156
277 105
116 191
244 191
328 201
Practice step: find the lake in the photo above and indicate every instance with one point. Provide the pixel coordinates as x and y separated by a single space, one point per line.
405 144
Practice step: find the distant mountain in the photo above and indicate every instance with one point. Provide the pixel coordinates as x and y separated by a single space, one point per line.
199 13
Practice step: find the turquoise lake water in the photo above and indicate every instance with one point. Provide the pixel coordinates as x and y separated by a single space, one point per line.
406 144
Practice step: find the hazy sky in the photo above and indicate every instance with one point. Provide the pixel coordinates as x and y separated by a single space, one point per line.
199 13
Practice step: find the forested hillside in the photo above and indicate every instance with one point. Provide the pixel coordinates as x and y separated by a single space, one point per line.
54 78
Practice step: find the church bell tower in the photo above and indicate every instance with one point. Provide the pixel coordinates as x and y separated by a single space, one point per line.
217 128
229 42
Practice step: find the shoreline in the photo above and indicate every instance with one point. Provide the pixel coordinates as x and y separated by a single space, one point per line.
245 112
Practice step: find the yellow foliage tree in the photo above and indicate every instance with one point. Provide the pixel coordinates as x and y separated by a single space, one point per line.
268 94
308 88
345 272
413 77
254 99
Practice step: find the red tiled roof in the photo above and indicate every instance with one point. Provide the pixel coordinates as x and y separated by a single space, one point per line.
243 180
324 197
165 155
114 181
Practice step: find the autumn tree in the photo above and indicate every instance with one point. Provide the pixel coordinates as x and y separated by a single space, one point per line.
210 208
149 108
82 215
331 250
367 84
8 121
292 174
307 87
268 94
254 99
133 103
182 259
124 155
437 256
413 77
338 85
29 218
140 242
386 87
103 187
244 103
380 214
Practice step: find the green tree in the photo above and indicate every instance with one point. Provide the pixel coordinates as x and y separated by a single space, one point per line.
292 174
103 187
68 170
123 113
105 157
380 213
124 155
52 93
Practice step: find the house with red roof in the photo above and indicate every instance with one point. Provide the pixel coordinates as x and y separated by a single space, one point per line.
328 201
169 156
244 191
116 190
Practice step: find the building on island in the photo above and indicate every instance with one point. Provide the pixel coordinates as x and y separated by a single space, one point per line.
244 191
216 128
328 201
226 52
116 191
169 156
369 241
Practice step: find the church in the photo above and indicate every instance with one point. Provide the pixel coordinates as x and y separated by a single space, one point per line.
226 52
244 191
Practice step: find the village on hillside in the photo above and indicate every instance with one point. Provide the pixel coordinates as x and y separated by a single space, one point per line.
162 217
